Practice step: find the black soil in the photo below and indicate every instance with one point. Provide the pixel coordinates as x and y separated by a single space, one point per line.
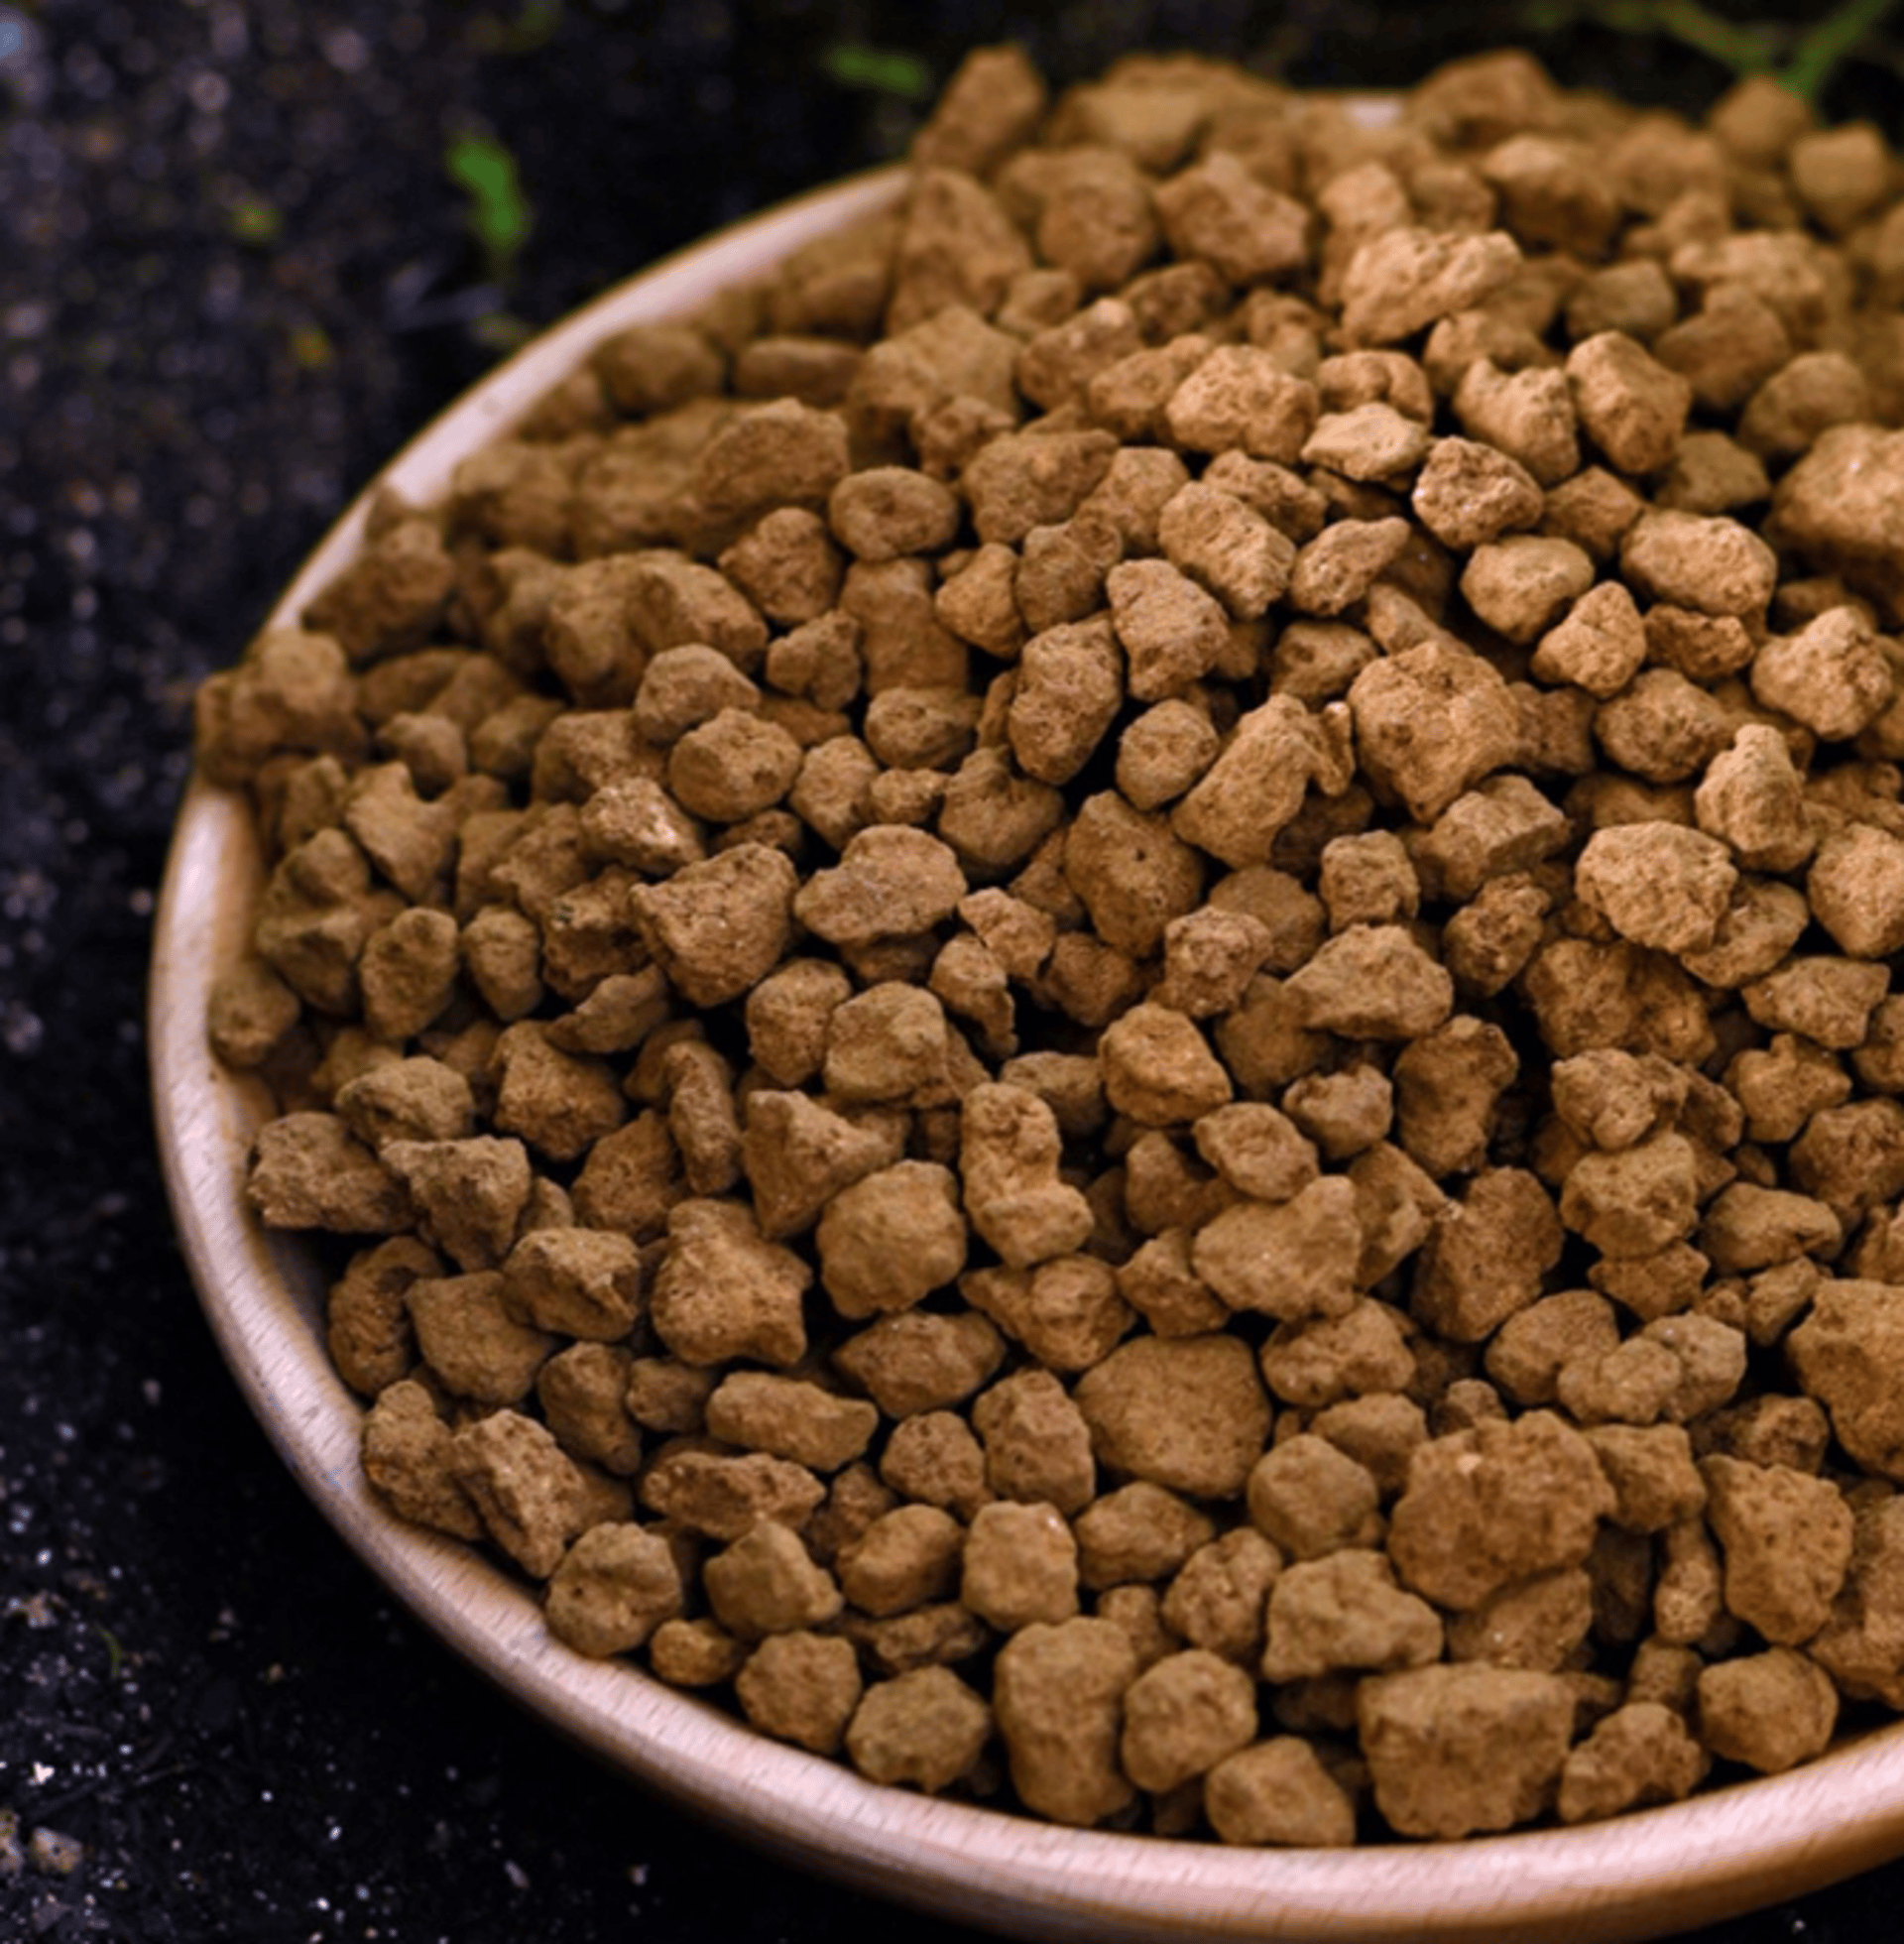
234 276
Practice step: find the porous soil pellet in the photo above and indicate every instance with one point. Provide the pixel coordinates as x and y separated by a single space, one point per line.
1097 1001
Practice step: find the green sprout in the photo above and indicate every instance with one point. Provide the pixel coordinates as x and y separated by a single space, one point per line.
1823 47
499 213
882 71
254 222
1746 47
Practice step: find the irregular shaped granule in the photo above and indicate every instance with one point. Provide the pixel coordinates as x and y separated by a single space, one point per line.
1856 891
1134 874
801 1687
1340 565
468 1195
1710 566
1503 827
1764 921
1295 1260
1280 1793
1495 1503
1067 1313
1753 798
1239 398
1849 1354
408 1100
1009 1154
1259 782
1405 279
694 1654
1312 1499
1770 1711
1448 1085
616 1584
1484 1255
1019 1566
1467 494
902 1559
1540 1623
1227 546
918 1361
1640 1754
1832 676
1182 1716
1369 443
767 1582
1058 1697
890 882
718 929
1158 1069
1787 1541
1257 1150
1749 1228
408 1458
1138 1533
800 1154
1360 1354
1658 884
366 1325
1220 212
723 1292
1069 689
1345 1612
926 1726
1373 982
1430 723
791 1418
1862 1645
1586 996
1037 1445
1025 480
557 1102
1173 632
889 1239
725 1494
532 1497
472 1344
1217 1600
1629 403
1842 506
1522 586
1827 999
584 1282
308 1171
1185 1413
1459 1751
1634 1202
1528 415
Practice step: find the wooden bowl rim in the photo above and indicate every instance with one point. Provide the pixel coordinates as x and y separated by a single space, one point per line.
1641 1875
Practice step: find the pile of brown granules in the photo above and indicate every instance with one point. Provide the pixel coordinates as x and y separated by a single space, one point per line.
1114 976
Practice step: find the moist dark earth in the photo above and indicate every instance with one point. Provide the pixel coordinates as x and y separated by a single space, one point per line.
235 275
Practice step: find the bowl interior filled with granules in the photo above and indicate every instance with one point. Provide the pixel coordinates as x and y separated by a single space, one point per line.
1042 1025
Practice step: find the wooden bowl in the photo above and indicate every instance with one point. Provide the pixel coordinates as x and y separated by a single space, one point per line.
1639 1877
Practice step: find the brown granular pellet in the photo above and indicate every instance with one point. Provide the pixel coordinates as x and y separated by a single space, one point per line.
1102 1007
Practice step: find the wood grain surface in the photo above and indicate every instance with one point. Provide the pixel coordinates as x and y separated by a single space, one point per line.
1640 1877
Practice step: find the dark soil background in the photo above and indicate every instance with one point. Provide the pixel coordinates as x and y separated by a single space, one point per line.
234 275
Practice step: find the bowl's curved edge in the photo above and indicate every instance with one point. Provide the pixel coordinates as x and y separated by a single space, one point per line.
1646 1876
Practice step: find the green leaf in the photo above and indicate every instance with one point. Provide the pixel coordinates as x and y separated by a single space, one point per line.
254 222
1820 49
497 212
854 64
